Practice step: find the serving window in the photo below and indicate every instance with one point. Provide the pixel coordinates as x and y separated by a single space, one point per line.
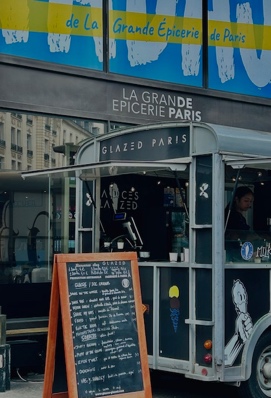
248 213
157 204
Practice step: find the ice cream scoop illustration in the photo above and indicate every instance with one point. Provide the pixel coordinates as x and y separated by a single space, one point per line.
174 301
243 323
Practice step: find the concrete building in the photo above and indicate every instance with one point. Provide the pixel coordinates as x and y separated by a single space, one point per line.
27 141
63 80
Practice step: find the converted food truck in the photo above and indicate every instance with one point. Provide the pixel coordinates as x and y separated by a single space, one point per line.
163 188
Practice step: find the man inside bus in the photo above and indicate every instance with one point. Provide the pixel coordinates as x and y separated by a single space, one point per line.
243 200
236 227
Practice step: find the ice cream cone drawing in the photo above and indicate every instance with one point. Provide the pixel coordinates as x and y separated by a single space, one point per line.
174 301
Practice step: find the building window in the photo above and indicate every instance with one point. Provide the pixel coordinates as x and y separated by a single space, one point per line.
2 134
17 115
87 125
29 142
95 130
46 146
19 138
29 119
13 136
13 165
48 123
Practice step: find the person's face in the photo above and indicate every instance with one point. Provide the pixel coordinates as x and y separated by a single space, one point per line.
244 203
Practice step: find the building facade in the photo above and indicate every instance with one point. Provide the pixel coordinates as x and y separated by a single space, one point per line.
74 69
27 141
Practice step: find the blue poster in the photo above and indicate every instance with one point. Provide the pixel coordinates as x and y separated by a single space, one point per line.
63 32
149 39
239 54
157 39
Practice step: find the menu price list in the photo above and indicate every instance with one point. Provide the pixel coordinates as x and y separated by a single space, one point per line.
104 328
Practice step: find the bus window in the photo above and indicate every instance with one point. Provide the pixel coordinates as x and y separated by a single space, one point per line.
158 206
247 232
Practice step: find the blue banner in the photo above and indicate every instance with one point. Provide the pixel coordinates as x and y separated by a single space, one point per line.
59 31
160 40
239 52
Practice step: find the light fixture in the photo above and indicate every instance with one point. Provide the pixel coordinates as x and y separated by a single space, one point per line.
208 358
208 344
204 372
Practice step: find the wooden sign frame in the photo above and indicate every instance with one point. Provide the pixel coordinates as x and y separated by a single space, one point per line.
60 304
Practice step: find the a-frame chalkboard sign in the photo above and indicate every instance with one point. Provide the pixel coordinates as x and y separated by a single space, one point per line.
96 338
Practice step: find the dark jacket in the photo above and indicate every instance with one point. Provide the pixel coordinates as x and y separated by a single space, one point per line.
236 221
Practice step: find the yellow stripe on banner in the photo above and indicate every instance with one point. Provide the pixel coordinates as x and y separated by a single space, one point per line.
154 28
239 35
44 17
40 16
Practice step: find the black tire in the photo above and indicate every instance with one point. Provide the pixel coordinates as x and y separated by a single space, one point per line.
259 383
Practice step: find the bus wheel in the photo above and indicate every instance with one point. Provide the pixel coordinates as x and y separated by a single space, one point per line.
259 383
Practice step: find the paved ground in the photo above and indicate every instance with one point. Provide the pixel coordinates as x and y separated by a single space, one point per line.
168 386
30 387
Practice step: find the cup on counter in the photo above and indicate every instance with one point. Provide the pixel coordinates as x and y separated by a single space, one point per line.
173 257
120 245
144 255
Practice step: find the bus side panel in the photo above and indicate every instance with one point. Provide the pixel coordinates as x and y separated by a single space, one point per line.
146 283
174 310
247 299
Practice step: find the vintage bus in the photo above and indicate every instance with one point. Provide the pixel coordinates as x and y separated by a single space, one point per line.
163 188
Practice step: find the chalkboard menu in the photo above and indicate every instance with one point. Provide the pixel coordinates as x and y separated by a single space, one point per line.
104 328
102 324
